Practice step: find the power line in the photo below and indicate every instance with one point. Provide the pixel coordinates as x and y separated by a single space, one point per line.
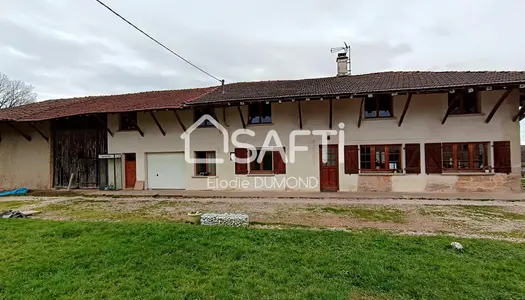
159 43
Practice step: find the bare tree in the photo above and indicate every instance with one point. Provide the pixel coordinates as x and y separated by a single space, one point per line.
15 92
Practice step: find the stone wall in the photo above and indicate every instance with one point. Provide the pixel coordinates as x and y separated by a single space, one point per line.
450 183
374 183
489 183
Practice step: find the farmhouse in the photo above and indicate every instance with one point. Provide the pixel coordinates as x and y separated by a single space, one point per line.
403 131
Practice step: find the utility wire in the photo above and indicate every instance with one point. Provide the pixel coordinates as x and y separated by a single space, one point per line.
159 43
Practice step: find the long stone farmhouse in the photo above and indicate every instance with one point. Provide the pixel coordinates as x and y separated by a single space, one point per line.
403 131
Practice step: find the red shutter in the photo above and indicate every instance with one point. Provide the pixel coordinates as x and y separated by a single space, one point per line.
279 165
413 158
433 158
241 168
502 157
351 159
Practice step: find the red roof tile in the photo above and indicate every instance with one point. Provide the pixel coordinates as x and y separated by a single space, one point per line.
358 84
261 90
52 109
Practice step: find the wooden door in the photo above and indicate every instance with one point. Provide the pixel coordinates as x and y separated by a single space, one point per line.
329 171
130 166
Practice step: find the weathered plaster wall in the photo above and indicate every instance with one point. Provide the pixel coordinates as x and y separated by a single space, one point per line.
422 124
24 163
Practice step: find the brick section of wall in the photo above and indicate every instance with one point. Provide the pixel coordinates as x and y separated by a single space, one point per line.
490 183
374 184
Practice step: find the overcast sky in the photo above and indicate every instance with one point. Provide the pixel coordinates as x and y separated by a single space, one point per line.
75 48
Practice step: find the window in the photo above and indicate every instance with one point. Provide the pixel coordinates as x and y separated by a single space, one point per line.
379 106
201 111
266 165
128 121
463 103
259 113
382 158
272 162
208 168
465 156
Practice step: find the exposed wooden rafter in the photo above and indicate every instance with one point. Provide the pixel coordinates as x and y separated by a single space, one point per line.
26 136
39 132
360 112
300 115
152 114
105 125
450 107
179 120
407 103
331 115
137 127
242 117
519 114
497 105
224 116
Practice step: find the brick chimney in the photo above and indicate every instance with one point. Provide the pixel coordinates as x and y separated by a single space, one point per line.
342 64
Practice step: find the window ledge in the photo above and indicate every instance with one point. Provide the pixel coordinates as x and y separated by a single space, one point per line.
465 115
198 176
259 124
380 119
468 174
381 174
260 174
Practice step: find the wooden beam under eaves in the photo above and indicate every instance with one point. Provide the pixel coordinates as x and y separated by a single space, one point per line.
242 117
450 107
405 109
39 132
361 108
136 126
105 124
26 136
519 114
300 115
497 105
179 120
152 114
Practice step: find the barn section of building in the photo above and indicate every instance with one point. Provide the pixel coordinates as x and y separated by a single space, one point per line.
44 143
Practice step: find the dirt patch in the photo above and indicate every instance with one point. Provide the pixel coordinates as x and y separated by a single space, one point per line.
467 218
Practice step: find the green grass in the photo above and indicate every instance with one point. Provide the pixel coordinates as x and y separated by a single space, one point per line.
370 214
98 260
8 205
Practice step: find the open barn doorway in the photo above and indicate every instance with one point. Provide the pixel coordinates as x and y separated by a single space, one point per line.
77 142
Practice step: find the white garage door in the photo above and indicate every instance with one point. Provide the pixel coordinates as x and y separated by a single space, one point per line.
166 170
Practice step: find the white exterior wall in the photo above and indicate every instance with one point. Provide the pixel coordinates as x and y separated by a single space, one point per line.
422 124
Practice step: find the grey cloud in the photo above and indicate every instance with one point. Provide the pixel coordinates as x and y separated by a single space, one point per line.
76 48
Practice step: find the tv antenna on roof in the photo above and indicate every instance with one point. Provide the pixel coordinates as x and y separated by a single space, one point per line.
344 50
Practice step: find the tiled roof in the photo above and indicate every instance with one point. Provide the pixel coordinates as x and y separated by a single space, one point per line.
261 90
358 84
52 109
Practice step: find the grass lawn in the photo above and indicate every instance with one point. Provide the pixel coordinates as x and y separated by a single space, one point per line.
94 260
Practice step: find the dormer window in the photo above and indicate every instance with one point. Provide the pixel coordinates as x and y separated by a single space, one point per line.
201 111
379 106
464 103
260 113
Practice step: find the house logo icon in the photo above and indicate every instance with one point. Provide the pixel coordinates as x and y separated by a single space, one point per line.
187 146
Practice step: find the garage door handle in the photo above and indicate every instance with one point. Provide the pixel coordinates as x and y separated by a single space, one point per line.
157 175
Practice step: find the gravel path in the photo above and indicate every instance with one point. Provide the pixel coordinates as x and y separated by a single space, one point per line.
466 218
